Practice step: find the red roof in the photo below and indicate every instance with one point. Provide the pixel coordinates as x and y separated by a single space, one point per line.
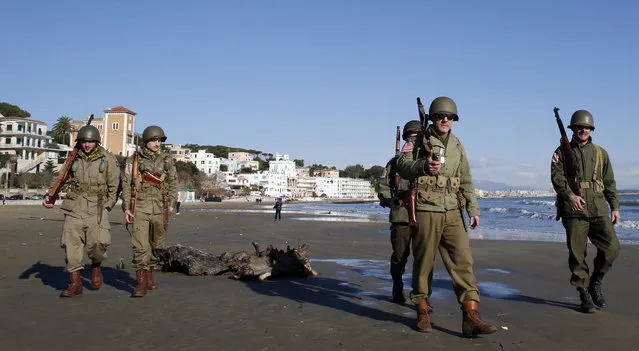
120 109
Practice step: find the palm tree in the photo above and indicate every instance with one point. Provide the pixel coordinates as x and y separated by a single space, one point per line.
62 129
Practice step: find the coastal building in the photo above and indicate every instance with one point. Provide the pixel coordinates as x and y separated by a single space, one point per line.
276 185
250 164
326 173
27 139
178 152
206 162
240 157
231 166
116 130
343 188
302 172
282 165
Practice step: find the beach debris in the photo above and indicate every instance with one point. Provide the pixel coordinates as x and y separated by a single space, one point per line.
504 327
120 264
263 263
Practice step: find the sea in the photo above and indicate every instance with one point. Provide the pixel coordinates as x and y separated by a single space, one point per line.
521 218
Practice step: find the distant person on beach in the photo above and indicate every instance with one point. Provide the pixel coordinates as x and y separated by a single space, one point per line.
587 216
156 187
390 190
278 209
438 163
91 195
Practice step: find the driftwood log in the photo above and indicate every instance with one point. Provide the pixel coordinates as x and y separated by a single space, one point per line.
261 264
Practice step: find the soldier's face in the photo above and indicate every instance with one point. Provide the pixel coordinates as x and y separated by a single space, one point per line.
88 146
153 144
442 124
581 133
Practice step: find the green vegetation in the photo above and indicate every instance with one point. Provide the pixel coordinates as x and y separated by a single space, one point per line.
9 110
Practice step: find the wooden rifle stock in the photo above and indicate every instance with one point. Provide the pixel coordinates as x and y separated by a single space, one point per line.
65 172
397 179
134 179
570 163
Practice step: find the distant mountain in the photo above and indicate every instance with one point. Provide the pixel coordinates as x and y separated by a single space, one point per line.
495 186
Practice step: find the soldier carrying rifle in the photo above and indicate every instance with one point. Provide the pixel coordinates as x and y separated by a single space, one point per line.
587 203
149 191
92 176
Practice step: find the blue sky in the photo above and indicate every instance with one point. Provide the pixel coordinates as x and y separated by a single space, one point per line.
328 81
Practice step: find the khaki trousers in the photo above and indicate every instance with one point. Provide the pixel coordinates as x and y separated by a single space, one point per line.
81 233
443 231
148 237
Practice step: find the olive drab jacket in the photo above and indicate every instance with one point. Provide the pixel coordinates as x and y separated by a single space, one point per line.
452 188
149 197
389 194
596 180
93 183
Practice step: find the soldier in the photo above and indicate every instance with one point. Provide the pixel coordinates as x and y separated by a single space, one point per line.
91 194
155 184
445 187
389 191
586 216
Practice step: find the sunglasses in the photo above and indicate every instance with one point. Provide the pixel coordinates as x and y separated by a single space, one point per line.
441 116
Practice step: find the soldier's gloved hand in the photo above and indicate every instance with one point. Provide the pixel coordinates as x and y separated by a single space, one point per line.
433 167
474 222
577 203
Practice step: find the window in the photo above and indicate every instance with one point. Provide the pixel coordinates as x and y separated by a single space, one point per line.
9 127
130 127
39 131
20 127
99 126
201 162
7 140
115 126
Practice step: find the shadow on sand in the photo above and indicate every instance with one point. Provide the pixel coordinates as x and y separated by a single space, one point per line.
336 294
57 278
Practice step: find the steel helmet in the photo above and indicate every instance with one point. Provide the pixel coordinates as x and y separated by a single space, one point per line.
88 133
153 132
411 126
443 106
582 118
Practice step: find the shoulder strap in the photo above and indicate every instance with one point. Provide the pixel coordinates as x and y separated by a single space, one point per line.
597 172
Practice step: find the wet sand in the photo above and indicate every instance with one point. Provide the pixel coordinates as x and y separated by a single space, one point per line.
524 288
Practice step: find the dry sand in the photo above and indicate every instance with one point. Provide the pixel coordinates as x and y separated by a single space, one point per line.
524 289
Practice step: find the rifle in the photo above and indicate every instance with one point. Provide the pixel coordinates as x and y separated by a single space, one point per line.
65 172
570 163
398 139
134 180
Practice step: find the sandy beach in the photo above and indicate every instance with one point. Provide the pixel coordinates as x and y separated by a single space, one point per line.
524 286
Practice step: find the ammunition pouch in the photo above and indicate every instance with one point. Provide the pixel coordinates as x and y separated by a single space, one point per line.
596 185
438 184
77 189
153 179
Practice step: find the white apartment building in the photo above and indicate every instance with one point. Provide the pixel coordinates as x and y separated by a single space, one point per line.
255 179
240 157
302 172
27 139
276 185
343 188
232 166
206 162
282 165
178 152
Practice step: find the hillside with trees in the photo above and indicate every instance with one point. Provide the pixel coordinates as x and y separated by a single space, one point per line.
9 110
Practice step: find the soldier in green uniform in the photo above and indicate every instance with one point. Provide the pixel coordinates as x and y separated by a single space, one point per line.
587 216
390 190
156 193
440 167
90 196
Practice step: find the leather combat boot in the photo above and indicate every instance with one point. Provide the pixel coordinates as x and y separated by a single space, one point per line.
472 324
140 281
423 322
596 292
96 276
587 306
398 290
75 285
150 283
